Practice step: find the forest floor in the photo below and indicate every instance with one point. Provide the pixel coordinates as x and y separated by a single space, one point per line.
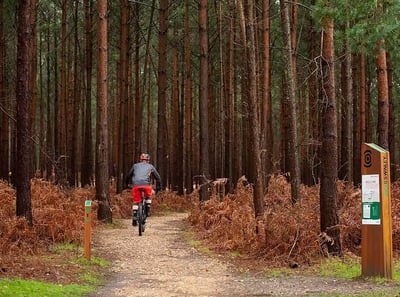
177 254
168 261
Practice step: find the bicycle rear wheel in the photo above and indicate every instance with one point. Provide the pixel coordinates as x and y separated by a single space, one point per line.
140 219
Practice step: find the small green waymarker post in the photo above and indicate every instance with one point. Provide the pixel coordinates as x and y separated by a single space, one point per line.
88 228
376 229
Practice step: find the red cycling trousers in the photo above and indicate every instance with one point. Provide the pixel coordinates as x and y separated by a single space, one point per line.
136 196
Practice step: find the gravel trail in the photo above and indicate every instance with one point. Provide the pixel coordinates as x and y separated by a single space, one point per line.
161 263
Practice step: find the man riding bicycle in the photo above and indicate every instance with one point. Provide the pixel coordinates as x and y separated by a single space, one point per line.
140 176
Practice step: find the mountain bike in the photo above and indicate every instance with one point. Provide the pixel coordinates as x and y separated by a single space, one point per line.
141 213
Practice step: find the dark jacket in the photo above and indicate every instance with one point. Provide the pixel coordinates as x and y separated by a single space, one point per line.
142 173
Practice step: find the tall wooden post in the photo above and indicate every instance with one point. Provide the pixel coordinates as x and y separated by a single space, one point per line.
376 229
88 228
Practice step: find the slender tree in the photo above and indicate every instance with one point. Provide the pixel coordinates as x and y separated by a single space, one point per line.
266 90
75 155
87 159
25 28
102 172
62 115
162 131
50 112
383 97
204 121
312 172
4 119
392 121
291 106
329 155
258 195
347 112
363 100
123 92
188 104
383 88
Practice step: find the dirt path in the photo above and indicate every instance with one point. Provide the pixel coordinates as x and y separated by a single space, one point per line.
162 264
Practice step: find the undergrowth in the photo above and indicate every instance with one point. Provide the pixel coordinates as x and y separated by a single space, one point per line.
289 235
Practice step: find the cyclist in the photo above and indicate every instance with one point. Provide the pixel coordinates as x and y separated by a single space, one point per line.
140 176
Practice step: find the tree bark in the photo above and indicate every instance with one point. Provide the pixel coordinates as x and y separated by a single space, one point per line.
176 146
62 116
102 171
314 122
25 33
123 93
266 94
329 152
291 106
258 194
188 156
4 119
363 96
392 121
383 97
347 114
87 164
203 102
75 157
162 128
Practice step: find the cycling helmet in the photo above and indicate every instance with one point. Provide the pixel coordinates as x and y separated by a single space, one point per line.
144 157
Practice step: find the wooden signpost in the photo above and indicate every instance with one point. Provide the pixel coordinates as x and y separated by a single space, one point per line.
376 229
88 228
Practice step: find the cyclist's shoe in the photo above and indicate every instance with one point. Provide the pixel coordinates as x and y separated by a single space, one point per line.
134 218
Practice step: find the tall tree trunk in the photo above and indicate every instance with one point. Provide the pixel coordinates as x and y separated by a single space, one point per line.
229 103
363 96
61 168
329 154
188 156
87 164
311 174
139 137
162 130
266 94
33 88
392 121
383 97
203 100
347 113
383 88
50 114
4 119
102 171
25 34
291 105
176 146
75 157
142 139
123 92
258 194
356 170
57 107
220 100
42 144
